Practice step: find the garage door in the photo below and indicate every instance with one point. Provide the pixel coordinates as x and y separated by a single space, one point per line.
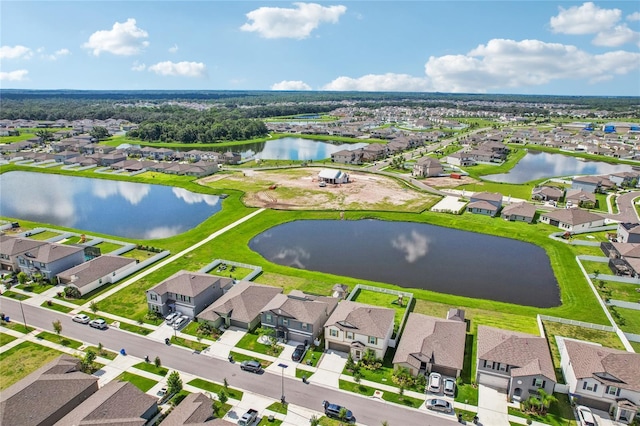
338 347
493 381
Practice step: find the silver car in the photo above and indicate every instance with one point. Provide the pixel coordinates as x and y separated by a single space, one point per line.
449 387
181 322
435 383
438 405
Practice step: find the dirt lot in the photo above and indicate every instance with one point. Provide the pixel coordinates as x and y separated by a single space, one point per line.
447 182
298 189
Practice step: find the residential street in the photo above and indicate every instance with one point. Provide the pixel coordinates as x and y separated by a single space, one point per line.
368 411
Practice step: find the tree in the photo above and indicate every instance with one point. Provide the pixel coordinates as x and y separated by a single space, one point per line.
99 133
44 135
343 413
314 421
546 399
57 327
174 383
93 306
222 396
157 362
87 361
22 278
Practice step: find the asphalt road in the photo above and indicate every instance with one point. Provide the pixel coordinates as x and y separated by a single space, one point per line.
367 411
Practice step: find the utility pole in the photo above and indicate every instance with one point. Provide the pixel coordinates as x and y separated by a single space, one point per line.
24 321
283 366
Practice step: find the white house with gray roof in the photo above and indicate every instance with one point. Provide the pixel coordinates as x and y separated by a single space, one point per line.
49 259
487 203
355 327
96 272
572 220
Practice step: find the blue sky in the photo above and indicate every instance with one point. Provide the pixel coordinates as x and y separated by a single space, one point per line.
521 47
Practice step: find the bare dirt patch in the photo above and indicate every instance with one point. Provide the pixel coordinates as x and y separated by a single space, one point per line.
447 182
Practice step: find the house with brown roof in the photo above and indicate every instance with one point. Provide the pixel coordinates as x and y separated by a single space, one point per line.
487 203
241 306
346 156
461 159
356 327
580 198
116 403
50 259
194 410
186 292
547 193
297 316
572 220
11 247
602 378
427 167
519 212
431 344
96 272
587 183
46 395
517 363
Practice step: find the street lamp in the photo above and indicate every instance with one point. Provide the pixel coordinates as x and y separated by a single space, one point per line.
283 366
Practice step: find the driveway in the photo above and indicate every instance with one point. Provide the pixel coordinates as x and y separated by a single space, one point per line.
227 342
329 369
285 358
492 407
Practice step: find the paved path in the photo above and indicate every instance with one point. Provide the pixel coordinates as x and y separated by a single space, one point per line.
626 208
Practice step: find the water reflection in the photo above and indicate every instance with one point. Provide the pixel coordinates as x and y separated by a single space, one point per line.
134 193
538 165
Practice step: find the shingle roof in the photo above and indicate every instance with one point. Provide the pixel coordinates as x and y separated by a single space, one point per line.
194 410
433 340
50 252
302 307
594 361
527 352
189 283
88 272
487 196
573 216
11 246
368 320
244 302
482 205
521 209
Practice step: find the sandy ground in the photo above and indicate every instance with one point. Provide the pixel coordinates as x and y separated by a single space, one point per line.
447 182
298 189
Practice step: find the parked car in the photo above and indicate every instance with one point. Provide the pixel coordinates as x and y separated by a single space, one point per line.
180 322
248 418
172 317
435 382
98 323
449 387
586 416
335 411
438 405
81 318
252 366
298 353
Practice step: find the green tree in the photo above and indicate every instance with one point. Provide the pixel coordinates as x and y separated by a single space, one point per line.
343 413
22 278
57 327
87 361
157 362
99 133
174 383
546 399
93 306
314 421
222 396
44 135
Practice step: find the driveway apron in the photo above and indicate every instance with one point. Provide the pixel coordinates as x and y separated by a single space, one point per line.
492 407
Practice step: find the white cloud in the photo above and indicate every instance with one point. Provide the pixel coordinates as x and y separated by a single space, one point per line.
195 198
414 247
17 75
298 23
617 36
379 83
124 39
585 19
507 64
137 66
58 54
291 85
15 52
635 16
173 49
184 69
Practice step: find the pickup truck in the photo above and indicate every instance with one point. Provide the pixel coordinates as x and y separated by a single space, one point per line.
248 418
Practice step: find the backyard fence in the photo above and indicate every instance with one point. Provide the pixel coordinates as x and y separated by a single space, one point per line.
255 270
633 337
577 323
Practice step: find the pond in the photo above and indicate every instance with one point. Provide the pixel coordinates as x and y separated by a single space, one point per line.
538 165
126 209
416 255
291 149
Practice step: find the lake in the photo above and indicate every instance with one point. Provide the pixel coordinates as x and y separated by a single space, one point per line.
416 255
538 165
126 209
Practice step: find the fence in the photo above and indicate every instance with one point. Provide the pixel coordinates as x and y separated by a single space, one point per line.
577 323
633 337
140 265
255 270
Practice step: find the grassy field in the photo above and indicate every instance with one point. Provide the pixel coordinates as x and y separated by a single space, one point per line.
628 320
17 326
56 307
44 235
6 338
59 339
250 342
215 388
22 360
196 346
617 291
142 383
150 367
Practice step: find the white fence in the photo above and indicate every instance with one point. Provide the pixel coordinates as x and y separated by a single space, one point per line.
577 323
633 337
561 388
255 270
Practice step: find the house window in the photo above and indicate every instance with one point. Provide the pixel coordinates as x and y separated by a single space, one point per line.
589 387
285 321
349 335
373 340
153 296
612 390
539 383
304 325
268 318
333 332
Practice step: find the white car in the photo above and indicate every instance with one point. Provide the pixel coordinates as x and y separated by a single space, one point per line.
586 416
435 383
98 323
81 318
180 322
449 387
172 317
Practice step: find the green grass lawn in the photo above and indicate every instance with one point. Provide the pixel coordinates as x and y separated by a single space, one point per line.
150 367
59 339
560 413
387 396
74 239
14 295
56 307
238 358
636 346
181 341
35 288
313 355
300 372
6 338
22 360
142 383
214 388
138 329
467 394
617 291
192 330
138 254
629 320
107 247
278 407
105 353
250 342
264 421
44 235
17 326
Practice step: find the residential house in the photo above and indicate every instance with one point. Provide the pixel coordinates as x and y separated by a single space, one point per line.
47 259
602 378
241 306
572 220
517 363
519 212
46 395
333 176
427 167
96 272
460 159
374 151
628 232
355 328
487 203
196 409
580 198
297 316
624 258
117 402
230 157
186 292
346 156
547 193
587 183
432 344
11 247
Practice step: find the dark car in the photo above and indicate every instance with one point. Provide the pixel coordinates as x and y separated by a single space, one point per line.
253 366
298 353
335 411
438 405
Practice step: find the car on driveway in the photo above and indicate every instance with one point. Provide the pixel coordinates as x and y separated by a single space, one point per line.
435 382
585 416
298 353
449 387
98 323
81 318
252 366
172 317
436 404
336 411
181 322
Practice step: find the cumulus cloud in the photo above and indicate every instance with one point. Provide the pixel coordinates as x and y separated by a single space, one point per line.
58 54
183 69
379 83
132 192
15 52
635 16
291 85
617 36
298 22
585 19
505 63
17 75
137 66
195 198
173 49
124 39
414 246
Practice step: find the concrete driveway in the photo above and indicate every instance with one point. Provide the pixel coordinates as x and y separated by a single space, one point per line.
227 342
285 358
330 368
492 407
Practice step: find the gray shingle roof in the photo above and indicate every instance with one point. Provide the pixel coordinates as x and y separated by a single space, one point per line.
366 319
50 252
573 216
302 307
11 246
244 302
194 410
521 209
189 283
94 269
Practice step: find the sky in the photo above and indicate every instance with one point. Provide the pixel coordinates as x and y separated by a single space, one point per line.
505 47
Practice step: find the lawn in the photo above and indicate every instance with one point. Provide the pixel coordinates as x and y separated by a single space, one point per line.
105 353
44 235
6 338
22 360
150 367
238 358
61 340
313 355
617 291
138 254
17 326
107 247
250 342
278 407
560 413
467 394
214 388
181 341
14 295
138 329
192 330
384 300
636 346
35 288
56 307
627 319
264 421
387 396
142 383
